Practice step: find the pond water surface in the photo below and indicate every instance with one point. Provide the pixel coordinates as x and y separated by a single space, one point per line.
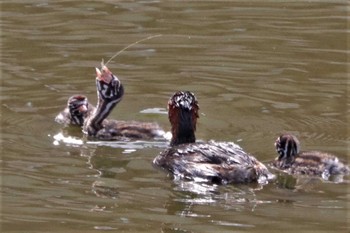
257 69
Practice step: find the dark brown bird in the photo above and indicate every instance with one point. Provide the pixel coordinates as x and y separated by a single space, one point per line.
110 92
314 163
217 162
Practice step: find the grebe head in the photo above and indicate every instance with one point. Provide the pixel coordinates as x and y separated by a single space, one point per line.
78 106
183 113
287 146
109 88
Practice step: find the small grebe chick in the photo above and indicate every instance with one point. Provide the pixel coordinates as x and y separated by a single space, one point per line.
77 110
110 92
217 162
314 163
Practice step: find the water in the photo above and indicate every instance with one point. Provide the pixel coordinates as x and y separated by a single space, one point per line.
258 69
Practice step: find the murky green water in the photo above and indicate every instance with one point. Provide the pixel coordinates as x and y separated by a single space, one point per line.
257 68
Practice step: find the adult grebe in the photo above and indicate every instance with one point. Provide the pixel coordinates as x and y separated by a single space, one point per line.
313 163
110 92
217 162
77 110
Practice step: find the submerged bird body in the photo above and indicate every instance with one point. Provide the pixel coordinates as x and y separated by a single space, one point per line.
125 130
217 162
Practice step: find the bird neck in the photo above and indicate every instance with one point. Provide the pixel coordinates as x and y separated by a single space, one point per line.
183 129
101 112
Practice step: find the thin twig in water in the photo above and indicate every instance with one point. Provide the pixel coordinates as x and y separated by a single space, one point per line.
144 39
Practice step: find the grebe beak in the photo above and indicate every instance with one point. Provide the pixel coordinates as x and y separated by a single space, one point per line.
98 73
82 108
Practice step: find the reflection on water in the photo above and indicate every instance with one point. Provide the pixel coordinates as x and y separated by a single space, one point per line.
68 140
128 146
257 68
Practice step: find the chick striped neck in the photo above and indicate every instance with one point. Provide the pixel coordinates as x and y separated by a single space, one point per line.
104 106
